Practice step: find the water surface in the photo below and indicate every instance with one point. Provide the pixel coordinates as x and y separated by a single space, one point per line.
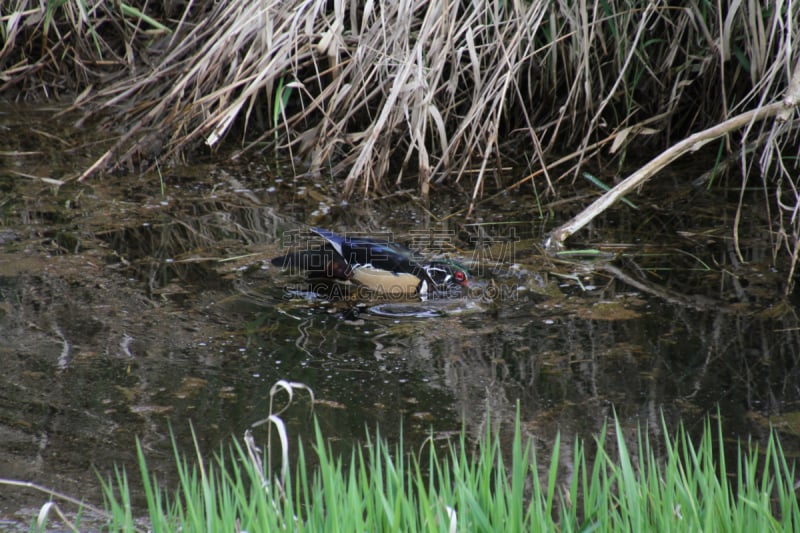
138 304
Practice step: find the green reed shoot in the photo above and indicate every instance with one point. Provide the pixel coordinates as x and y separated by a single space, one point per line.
622 486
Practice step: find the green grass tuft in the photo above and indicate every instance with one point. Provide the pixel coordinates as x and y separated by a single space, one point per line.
623 486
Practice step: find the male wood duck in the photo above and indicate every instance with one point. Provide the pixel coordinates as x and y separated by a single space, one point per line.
378 265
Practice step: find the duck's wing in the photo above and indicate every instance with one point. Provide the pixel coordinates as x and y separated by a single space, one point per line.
378 253
325 262
335 240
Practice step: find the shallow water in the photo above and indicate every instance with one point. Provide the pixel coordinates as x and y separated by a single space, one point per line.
137 304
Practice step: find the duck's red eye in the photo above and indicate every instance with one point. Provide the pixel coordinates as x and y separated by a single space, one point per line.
460 276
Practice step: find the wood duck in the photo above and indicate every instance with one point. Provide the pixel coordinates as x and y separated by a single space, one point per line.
378 265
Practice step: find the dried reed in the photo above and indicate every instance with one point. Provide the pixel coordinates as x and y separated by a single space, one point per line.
444 91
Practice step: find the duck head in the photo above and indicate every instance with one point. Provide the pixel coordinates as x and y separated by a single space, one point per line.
447 274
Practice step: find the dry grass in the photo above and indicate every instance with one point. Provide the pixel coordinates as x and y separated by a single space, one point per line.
378 92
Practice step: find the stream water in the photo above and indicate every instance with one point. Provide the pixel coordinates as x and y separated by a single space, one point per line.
142 304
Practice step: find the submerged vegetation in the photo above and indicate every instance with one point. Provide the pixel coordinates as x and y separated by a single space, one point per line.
619 486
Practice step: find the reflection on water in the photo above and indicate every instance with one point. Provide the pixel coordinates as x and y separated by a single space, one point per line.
128 314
